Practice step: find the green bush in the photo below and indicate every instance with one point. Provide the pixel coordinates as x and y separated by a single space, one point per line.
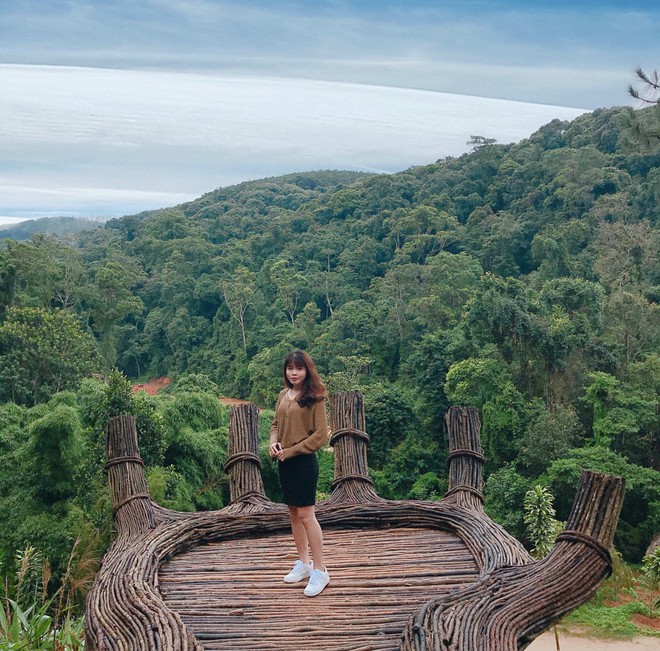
150 426
199 456
194 383
200 411
196 427
170 489
390 416
326 460
428 487
410 459
54 453
504 494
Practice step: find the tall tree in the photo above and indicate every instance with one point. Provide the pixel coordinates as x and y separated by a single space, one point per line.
110 300
238 289
646 129
290 284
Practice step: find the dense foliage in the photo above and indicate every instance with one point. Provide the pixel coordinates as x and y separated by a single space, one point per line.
522 279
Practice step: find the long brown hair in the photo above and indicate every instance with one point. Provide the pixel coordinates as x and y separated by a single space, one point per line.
312 389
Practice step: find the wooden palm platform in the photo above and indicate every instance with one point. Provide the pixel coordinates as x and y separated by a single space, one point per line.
404 574
231 594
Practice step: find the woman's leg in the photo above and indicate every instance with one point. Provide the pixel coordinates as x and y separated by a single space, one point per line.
313 534
300 536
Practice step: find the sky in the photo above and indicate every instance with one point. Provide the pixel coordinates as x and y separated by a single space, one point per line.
109 107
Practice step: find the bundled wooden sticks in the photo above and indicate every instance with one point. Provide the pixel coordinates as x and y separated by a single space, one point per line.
246 486
510 605
483 591
131 503
466 458
349 439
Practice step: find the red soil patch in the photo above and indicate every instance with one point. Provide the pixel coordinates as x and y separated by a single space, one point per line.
646 595
647 622
233 401
153 386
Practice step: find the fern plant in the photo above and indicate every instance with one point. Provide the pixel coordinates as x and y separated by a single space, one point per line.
539 519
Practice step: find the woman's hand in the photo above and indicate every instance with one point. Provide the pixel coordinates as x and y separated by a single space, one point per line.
281 454
275 450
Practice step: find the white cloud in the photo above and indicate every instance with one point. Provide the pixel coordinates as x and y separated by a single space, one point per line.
413 44
90 141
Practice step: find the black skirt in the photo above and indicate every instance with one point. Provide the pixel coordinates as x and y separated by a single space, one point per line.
299 476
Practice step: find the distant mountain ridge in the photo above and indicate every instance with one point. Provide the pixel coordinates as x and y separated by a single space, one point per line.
48 226
318 181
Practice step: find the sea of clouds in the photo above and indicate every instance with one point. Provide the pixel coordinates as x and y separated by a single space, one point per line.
99 142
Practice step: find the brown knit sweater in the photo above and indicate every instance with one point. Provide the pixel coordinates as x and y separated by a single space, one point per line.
300 430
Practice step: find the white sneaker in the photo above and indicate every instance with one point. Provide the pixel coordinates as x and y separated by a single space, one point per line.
317 582
299 572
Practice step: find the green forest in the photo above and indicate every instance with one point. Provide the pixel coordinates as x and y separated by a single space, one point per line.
522 279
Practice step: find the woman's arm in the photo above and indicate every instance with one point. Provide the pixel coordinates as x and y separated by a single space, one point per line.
275 448
275 425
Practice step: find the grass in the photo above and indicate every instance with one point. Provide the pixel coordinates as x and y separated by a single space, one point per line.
624 607
30 619
612 622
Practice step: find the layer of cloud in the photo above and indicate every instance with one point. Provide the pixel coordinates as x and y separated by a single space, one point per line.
105 142
562 53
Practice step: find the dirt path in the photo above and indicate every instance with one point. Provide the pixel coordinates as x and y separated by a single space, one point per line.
546 642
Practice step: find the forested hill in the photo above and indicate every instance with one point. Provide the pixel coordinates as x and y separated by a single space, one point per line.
522 279
562 224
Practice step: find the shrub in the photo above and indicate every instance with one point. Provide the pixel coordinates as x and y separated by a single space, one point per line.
504 494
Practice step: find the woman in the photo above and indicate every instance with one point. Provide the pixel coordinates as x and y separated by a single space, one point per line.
299 429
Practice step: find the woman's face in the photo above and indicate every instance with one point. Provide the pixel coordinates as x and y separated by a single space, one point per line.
296 374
